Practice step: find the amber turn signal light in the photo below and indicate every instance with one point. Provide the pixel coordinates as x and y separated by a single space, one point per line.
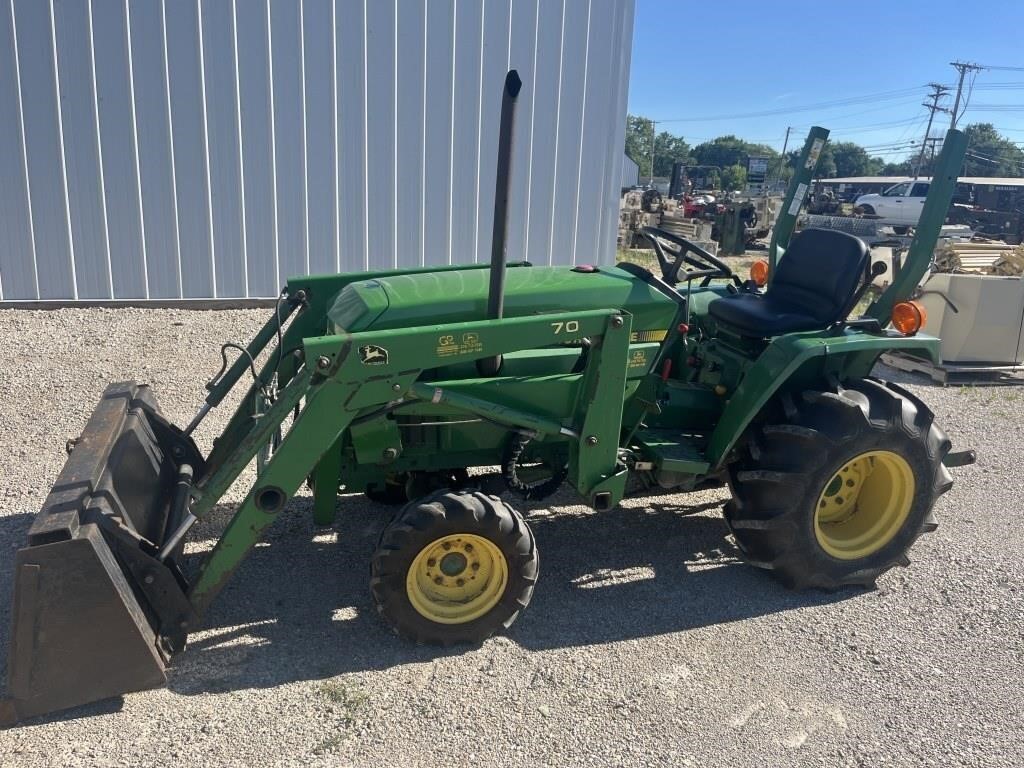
759 272
909 317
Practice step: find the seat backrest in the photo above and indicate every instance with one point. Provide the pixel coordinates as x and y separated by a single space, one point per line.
819 273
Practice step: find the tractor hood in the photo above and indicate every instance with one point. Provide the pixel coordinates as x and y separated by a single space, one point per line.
460 295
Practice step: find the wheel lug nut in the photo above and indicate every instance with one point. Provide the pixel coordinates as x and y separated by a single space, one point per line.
446 546
431 562
460 582
469 547
438 580
475 566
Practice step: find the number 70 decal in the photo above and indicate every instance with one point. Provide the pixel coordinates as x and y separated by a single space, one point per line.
569 326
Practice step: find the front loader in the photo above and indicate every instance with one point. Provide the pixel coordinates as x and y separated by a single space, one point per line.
397 383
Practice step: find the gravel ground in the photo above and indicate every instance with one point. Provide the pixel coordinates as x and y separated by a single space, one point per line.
647 642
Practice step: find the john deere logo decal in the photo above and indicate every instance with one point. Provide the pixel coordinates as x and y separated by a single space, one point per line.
371 354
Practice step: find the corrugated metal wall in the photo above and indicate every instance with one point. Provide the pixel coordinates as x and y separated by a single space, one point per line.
630 172
211 148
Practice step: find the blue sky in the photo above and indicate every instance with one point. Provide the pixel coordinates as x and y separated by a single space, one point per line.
703 61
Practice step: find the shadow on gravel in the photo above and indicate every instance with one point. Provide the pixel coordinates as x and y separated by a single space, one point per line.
13 532
299 608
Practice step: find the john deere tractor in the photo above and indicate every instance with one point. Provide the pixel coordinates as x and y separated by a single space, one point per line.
403 384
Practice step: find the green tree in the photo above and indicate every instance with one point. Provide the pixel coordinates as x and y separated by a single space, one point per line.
991 154
668 148
638 142
988 154
826 164
734 177
730 150
902 168
842 159
851 159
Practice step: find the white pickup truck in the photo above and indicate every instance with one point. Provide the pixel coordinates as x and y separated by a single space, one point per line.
899 204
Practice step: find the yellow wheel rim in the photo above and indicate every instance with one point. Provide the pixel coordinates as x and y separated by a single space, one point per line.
864 505
457 578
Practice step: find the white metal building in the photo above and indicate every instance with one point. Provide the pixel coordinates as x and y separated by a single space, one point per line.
630 172
162 149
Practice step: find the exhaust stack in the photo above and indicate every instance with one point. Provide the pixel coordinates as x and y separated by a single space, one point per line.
489 366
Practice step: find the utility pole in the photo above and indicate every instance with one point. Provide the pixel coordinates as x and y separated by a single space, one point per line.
785 144
654 137
938 91
963 68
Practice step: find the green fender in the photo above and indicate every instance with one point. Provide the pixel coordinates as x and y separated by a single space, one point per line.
803 359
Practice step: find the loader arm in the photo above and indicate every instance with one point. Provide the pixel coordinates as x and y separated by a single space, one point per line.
338 374
311 296
101 602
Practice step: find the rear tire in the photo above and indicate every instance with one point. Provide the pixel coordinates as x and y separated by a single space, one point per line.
788 514
454 568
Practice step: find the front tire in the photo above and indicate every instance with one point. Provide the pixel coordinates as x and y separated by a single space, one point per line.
838 492
454 568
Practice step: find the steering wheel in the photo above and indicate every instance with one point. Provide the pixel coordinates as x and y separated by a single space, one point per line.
705 265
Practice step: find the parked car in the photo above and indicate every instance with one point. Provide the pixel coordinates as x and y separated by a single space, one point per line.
900 204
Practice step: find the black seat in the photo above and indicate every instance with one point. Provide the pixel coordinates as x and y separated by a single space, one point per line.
813 287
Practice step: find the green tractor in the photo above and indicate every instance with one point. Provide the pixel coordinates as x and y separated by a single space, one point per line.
397 384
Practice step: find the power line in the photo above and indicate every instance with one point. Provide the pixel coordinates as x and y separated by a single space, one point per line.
996 108
995 158
909 131
990 161
871 127
1002 69
867 98
846 132
894 151
1015 86
895 145
892 104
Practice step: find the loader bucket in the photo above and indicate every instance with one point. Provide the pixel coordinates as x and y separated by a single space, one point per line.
96 612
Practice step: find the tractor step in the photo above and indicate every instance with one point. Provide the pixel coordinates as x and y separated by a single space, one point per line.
674 451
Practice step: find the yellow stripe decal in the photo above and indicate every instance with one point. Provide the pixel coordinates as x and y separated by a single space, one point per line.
637 337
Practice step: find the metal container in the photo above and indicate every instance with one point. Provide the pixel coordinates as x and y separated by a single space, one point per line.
980 318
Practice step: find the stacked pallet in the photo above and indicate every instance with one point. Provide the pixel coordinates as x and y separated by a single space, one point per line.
631 221
984 258
692 229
